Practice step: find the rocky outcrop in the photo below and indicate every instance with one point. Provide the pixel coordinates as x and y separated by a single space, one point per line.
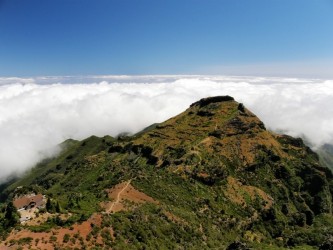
205 101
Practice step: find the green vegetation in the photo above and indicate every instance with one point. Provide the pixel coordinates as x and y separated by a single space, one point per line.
217 175
8 219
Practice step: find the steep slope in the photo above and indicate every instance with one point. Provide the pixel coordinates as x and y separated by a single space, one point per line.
211 177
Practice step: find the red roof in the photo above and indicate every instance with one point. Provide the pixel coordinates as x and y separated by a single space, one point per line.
25 201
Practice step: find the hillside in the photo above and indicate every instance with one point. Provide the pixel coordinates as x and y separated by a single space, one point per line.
211 177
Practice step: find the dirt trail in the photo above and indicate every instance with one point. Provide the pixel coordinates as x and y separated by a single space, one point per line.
118 197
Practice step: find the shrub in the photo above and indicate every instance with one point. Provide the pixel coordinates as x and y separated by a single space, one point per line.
66 238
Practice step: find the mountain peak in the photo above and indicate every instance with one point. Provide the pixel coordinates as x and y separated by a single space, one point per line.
205 101
212 174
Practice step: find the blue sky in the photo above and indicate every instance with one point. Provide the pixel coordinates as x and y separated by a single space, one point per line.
239 37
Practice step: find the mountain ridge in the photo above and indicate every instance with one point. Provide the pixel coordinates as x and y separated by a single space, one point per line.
217 175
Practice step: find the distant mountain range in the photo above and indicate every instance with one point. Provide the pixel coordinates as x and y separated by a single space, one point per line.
326 155
212 177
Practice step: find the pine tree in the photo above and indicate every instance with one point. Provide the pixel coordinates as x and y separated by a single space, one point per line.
57 207
11 215
48 205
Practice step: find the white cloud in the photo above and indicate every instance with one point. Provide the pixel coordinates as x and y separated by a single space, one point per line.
37 114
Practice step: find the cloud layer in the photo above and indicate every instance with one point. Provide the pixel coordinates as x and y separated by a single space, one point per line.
36 114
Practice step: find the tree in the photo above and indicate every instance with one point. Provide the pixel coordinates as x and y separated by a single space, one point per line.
11 215
48 205
58 209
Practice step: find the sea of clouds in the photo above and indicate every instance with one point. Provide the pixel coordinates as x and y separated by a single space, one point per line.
36 114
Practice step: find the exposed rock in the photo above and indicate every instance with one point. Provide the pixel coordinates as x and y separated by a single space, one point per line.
205 101
205 113
115 149
238 126
328 244
216 133
237 246
296 142
241 107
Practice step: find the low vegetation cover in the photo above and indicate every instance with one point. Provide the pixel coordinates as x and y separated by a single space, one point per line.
211 177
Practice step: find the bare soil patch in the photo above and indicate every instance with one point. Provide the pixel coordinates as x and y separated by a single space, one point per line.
124 196
76 236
